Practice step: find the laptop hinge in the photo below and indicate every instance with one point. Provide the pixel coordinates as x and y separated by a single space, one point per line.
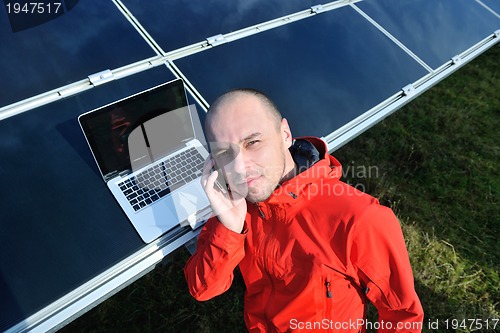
115 174
110 175
101 77
124 173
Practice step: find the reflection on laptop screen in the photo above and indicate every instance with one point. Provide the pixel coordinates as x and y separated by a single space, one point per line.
109 128
159 137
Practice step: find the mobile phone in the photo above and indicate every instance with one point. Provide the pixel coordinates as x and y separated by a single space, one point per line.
220 182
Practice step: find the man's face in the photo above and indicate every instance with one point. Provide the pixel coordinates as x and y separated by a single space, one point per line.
250 146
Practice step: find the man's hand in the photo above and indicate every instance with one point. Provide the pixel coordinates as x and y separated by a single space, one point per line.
230 207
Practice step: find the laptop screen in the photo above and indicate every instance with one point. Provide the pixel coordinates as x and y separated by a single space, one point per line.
118 130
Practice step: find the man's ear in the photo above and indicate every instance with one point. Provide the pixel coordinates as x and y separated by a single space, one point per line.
286 133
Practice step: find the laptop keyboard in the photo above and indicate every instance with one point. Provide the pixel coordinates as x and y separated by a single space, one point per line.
156 182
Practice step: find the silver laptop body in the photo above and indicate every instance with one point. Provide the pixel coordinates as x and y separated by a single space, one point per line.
148 153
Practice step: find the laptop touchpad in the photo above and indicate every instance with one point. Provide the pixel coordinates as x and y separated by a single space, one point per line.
187 201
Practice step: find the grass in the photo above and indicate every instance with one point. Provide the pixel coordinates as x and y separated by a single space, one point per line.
436 163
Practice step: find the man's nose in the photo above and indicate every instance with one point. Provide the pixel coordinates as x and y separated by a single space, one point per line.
239 163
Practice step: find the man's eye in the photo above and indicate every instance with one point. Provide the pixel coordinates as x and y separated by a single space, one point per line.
253 142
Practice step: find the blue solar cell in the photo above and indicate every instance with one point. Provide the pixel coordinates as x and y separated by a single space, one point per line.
493 5
175 24
434 30
59 224
327 69
42 54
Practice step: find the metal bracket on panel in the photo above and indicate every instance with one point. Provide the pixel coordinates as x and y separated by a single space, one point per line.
216 40
408 90
317 9
456 60
101 77
497 33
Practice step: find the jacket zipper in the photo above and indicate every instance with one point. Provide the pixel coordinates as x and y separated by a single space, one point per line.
328 301
327 287
261 213
266 247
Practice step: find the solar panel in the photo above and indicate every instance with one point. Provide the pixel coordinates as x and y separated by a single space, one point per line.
58 226
87 39
435 31
161 19
326 68
492 5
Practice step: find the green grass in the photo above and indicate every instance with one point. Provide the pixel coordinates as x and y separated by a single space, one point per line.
436 163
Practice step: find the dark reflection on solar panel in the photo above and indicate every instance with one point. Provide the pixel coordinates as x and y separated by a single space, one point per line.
60 204
435 30
87 39
322 72
174 24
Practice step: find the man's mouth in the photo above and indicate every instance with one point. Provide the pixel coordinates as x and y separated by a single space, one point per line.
251 180
247 181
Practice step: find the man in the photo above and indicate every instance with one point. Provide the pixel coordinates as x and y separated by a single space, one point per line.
311 249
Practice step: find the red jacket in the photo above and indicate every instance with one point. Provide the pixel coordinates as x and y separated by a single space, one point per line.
310 256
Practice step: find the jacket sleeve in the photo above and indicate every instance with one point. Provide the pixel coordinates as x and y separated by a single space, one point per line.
209 271
383 267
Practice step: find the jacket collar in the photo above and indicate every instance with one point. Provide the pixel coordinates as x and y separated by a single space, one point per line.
304 154
314 164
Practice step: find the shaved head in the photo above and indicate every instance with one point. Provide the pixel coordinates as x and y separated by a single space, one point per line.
232 96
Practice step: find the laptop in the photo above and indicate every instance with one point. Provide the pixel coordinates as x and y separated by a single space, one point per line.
148 153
